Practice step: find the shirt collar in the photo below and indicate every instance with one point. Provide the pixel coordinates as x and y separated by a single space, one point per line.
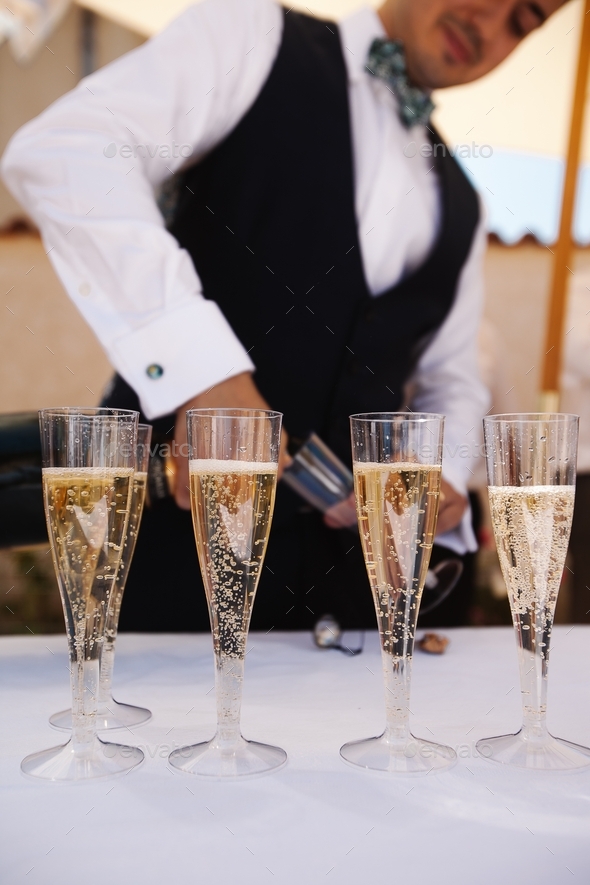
357 32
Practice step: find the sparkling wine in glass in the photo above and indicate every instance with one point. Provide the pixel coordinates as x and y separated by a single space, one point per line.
233 476
531 464
112 714
397 475
88 466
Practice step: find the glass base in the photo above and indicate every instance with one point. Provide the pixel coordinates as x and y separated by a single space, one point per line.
548 754
62 765
414 756
109 716
237 759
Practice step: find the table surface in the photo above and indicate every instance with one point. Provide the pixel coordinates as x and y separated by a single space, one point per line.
317 819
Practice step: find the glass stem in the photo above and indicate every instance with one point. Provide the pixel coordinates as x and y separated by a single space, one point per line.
397 671
229 680
397 627
85 686
533 661
107 656
107 662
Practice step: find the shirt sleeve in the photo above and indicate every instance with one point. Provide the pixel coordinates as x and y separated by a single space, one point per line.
447 381
88 168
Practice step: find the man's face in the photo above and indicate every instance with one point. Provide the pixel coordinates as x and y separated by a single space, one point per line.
449 42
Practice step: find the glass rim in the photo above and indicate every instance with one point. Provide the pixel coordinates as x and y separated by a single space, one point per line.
399 417
262 414
87 412
530 417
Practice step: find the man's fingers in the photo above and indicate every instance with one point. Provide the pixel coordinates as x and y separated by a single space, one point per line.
182 494
180 455
452 507
285 458
341 515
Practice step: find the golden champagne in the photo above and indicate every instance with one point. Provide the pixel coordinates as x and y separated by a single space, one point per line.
397 507
137 500
232 504
532 526
107 659
87 511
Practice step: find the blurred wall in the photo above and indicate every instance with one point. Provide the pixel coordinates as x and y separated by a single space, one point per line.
48 355
25 90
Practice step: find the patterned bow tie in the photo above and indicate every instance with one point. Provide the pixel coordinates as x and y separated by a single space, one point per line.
387 60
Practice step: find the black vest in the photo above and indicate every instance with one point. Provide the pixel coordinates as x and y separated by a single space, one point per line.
269 220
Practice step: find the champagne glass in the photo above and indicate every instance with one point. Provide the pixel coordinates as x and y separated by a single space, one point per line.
531 463
88 465
233 474
111 714
397 474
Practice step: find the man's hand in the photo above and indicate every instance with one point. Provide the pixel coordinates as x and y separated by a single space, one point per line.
341 515
238 392
451 508
450 512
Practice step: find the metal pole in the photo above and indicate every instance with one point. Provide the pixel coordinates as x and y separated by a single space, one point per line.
88 42
563 253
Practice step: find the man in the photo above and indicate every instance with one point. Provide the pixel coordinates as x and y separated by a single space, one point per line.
341 271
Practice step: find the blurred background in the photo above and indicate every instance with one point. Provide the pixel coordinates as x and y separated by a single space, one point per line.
520 114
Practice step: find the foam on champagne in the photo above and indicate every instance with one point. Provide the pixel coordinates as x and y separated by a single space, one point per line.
213 465
84 474
388 467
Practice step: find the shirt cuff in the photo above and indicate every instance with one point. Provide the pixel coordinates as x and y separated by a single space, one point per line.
180 354
461 539
455 472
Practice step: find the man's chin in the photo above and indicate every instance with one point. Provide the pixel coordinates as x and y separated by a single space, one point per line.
440 74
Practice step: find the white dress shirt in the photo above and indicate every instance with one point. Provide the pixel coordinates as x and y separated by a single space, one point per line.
89 167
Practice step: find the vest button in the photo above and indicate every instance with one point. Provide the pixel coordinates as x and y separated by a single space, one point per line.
353 367
154 371
369 315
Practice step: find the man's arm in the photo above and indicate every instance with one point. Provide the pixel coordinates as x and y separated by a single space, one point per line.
447 381
87 169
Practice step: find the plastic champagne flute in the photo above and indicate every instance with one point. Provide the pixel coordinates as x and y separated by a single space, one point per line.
531 464
112 714
88 466
397 461
233 475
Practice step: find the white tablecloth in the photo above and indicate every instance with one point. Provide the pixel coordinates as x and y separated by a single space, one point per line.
317 820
